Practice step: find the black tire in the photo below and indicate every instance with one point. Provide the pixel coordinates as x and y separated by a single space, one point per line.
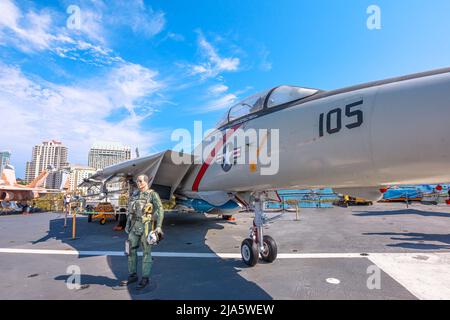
89 218
271 249
249 252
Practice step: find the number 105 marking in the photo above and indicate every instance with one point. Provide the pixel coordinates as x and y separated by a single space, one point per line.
336 126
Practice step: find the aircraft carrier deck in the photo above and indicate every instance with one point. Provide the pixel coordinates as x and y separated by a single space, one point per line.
333 253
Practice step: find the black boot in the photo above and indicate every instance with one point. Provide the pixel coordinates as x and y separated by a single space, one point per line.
132 278
143 283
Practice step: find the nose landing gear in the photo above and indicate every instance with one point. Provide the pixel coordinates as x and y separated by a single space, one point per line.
258 244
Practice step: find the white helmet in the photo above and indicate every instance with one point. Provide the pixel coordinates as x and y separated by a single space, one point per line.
153 238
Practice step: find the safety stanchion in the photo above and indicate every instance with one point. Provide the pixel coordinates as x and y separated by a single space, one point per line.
74 222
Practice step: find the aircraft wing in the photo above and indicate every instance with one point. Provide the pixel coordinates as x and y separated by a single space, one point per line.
18 188
165 175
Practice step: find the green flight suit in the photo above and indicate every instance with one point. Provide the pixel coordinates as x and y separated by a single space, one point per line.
137 230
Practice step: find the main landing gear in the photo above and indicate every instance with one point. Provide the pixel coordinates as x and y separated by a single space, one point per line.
258 244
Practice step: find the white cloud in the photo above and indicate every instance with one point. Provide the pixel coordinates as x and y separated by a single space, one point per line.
28 32
217 98
217 89
39 31
221 103
102 16
36 32
130 82
35 110
149 24
92 25
9 14
175 36
86 52
213 64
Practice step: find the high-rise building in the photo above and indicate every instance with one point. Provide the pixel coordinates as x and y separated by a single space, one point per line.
5 157
77 175
105 154
49 153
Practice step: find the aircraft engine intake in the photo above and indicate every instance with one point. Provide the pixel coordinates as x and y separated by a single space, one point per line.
6 196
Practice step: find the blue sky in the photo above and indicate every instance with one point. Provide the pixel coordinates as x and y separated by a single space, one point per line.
137 70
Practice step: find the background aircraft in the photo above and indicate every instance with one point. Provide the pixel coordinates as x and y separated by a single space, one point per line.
356 140
12 192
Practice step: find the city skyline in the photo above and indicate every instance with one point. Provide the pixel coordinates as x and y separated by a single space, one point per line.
97 144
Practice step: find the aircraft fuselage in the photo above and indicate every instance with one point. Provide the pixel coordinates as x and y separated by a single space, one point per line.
392 132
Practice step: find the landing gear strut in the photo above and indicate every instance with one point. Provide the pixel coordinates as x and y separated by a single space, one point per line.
258 244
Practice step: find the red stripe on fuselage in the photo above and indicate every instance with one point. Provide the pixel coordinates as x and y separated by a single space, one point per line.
211 157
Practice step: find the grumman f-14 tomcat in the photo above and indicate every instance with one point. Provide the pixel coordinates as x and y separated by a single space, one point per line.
357 140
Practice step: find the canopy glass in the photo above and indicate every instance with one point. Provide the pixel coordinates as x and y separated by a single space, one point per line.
264 100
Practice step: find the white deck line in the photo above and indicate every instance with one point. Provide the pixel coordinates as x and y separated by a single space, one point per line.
177 254
205 255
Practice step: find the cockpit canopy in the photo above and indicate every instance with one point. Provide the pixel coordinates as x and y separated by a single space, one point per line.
265 100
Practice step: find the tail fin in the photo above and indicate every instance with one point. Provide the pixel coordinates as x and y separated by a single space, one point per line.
65 181
9 175
39 181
